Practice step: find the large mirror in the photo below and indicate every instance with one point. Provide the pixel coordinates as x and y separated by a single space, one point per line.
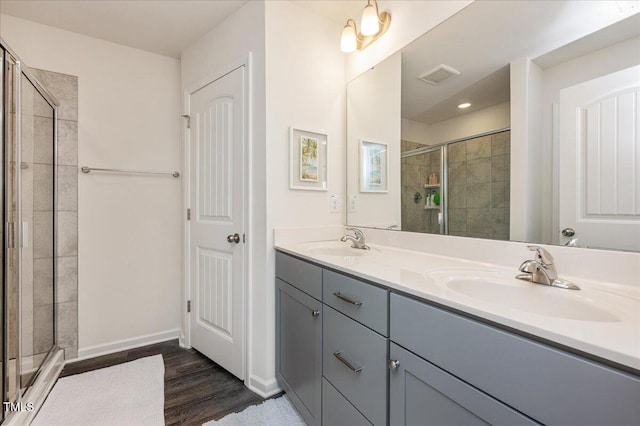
511 120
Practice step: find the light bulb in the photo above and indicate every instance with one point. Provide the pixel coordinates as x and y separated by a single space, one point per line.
348 41
369 24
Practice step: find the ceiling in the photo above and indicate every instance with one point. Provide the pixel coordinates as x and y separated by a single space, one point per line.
480 42
164 27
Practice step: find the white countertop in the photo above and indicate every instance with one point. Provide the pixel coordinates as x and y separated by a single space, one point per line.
601 319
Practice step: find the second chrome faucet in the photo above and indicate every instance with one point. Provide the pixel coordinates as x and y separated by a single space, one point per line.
357 240
542 270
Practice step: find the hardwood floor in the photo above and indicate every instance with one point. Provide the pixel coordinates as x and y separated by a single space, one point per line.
196 389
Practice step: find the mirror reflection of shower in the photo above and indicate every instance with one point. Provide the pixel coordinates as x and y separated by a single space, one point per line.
458 188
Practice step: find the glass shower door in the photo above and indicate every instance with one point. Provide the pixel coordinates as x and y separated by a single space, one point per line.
37 208
28 171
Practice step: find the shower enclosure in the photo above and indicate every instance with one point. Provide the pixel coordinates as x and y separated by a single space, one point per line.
468 193
30 358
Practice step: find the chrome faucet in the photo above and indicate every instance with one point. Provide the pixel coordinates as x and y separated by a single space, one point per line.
542 270
357 242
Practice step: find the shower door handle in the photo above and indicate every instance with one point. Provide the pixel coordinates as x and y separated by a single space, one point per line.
25 235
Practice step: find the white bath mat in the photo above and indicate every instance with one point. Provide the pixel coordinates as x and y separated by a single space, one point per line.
126 394
273 412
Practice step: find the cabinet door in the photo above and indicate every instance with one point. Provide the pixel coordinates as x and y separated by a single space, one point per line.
422 394
299 349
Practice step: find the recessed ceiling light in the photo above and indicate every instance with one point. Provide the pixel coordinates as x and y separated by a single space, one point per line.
464 105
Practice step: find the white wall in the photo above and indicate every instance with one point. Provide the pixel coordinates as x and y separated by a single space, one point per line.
242 33
409 20
305 87
129 227
484 120
375 116
526 154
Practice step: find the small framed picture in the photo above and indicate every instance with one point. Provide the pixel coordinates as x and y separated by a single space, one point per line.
308 160
374 157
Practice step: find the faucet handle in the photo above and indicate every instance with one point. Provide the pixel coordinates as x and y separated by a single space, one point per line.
356 231
542 255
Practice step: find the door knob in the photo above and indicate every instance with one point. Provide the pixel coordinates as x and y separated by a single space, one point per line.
393 364
235 238
568 232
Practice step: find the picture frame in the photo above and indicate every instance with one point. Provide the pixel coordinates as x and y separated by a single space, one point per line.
374 158
307 160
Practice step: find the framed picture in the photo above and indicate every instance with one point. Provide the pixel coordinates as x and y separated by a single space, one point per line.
308 160
374 157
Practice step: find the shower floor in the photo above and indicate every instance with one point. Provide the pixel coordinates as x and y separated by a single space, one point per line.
196 389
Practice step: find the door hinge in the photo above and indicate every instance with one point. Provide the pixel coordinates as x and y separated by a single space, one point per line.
188 214
188 117
188 305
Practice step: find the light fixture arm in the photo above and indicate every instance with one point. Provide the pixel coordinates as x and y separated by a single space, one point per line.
384 19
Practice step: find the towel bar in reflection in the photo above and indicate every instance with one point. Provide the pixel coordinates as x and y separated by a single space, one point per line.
86 169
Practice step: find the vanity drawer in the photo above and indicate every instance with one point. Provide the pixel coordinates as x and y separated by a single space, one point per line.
545 383
300 274
337 411
363 302
361 374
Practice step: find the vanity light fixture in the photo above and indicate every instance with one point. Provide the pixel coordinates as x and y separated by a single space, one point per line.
373 24
464 105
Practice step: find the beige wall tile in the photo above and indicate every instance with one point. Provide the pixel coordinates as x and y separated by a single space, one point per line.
67 188
67 143
42 187
43 140
42 328
67 234
42 234
43 281
479 171
67 327
67 279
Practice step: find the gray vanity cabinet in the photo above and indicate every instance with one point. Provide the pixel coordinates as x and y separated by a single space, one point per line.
422 394
299 335
544 383
352 353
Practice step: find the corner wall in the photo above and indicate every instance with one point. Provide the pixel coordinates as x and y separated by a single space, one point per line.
228 43
305 87
130 238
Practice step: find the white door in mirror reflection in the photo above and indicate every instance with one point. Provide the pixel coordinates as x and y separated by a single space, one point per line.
599 160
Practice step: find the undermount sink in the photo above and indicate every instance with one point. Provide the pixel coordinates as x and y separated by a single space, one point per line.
547 301
340 251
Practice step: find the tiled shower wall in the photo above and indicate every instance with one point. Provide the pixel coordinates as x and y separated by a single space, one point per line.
479 185
415 171
65 89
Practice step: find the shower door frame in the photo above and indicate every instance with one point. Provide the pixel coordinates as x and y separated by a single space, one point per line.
43 379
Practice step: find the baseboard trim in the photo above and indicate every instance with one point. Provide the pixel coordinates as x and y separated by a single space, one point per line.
264 388
123 345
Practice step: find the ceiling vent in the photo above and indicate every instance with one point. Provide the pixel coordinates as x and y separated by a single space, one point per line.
439 74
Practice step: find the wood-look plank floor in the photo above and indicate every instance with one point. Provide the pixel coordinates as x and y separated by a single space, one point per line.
196 389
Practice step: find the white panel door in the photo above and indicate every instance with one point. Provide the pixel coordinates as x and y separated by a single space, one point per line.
216 230
600 160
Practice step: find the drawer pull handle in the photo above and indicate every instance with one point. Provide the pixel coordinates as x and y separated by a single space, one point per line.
315 313
343 360
394 364
347 299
